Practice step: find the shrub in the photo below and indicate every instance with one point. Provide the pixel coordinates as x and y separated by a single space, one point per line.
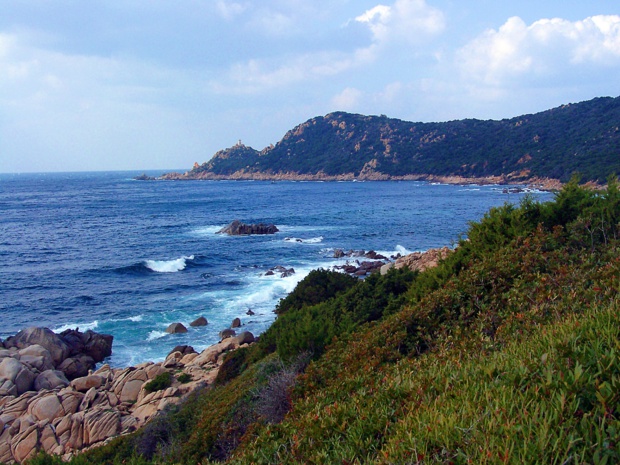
235 362
184 378
273 400
161 381
319 286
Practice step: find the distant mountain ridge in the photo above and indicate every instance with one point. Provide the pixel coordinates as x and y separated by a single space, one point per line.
582 137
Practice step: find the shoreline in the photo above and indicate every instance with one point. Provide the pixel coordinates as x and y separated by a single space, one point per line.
90 410
66 417
545 184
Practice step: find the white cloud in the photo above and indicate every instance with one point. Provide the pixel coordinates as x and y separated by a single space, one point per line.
348 100
257 75
408 21
546 48
411 21
230 10
391 93
274 23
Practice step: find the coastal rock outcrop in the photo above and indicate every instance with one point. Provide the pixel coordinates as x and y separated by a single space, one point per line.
34 356
95 345
419 261
237 228
62 418
282 271
43 337
357 268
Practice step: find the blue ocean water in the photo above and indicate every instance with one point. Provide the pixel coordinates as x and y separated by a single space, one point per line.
104 252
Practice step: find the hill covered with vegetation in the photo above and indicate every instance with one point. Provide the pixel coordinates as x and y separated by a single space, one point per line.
507 352
582 137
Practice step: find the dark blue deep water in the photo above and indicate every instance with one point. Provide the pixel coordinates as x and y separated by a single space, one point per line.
104 252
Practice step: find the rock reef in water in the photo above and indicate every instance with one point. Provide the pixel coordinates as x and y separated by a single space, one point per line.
237 228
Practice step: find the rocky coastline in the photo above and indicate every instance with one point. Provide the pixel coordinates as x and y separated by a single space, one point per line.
52 399
545 184
47 405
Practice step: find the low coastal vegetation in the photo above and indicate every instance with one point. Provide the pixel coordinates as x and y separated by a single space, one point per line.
507 352
553 144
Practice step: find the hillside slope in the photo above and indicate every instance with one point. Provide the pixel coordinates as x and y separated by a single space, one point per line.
507 352
582 137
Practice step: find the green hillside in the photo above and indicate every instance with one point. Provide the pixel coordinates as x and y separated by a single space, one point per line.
582 137
507 352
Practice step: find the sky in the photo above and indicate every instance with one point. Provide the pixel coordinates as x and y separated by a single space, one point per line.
159 85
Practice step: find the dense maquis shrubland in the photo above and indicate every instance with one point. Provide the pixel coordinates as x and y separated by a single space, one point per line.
507 352
554 144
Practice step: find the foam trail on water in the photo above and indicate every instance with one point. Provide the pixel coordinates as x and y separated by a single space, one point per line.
135 319
168 266
313 240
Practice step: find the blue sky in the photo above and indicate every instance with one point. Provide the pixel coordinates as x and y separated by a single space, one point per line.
130 84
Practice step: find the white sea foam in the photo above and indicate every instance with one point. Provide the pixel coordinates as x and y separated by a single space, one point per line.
156 335
168 266
403 251
134 319
81 326
208 231
312 240
398 250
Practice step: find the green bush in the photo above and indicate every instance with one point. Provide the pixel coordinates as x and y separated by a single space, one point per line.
319 286
235 362
161 381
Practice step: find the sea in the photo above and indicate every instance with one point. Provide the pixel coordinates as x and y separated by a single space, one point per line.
104 252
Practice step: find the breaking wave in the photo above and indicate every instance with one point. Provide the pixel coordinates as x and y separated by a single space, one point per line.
168 266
